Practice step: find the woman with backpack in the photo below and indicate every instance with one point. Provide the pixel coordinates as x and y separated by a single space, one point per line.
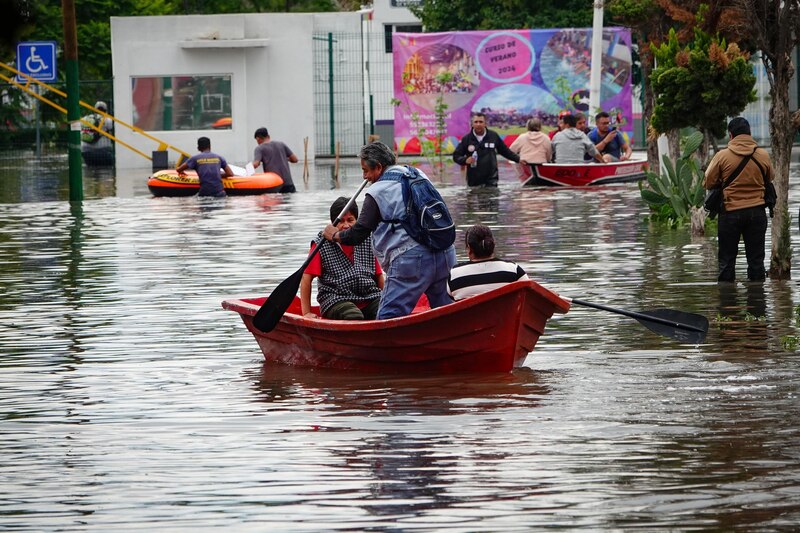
416 256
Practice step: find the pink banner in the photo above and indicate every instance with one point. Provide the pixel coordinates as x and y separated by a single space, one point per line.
510 76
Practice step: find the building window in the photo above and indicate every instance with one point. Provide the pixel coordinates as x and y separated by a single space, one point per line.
170 103
389 29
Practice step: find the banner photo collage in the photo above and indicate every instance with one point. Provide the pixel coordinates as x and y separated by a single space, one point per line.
510 76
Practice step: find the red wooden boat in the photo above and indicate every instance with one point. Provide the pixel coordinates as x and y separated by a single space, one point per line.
491 332
169 183
583 175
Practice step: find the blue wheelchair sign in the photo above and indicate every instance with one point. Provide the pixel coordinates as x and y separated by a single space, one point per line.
37 59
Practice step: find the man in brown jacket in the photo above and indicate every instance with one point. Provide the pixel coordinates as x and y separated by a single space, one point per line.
743 198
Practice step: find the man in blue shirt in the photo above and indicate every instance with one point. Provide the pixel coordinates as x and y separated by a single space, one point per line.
208 166
608 141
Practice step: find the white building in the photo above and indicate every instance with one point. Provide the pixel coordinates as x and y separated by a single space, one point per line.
224 76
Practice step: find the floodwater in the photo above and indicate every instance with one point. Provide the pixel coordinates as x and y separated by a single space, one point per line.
129 400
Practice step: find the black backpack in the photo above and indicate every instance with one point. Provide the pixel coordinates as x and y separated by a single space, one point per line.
426 218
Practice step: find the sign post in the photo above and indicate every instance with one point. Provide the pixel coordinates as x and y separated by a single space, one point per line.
37 59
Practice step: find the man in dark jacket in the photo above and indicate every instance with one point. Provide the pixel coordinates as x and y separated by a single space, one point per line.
478 150
743 199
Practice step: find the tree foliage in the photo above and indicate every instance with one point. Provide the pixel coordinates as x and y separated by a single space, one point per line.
41 20
459 15
15 21
701 84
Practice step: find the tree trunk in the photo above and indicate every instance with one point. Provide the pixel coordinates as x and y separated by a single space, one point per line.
773 27
674 138
703 149
647 111
782 136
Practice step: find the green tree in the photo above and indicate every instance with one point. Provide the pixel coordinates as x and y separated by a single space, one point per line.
43 19
652 20
649 24
700 84
454 15
774 27
15 22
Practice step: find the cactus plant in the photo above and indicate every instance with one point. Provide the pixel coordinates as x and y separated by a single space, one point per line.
678 188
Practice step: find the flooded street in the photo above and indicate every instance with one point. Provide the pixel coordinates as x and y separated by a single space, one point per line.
130 400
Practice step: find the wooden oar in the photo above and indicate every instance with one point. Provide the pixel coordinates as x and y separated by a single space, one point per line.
282 297
685 327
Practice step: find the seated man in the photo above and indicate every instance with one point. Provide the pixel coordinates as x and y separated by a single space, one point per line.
570 144
608 141
484 271
350 279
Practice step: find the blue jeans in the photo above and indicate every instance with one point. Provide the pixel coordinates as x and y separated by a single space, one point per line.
750 224
417 271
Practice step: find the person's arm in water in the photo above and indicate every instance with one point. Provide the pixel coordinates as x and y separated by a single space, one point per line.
182 168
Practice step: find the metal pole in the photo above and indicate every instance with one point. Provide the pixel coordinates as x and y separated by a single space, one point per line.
38 124
330 89
73 101
371 117
597 61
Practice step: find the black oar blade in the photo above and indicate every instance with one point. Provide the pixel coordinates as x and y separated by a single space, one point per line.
688 328
278 302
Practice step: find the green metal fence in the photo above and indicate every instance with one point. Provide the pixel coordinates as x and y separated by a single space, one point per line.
352 90
37 129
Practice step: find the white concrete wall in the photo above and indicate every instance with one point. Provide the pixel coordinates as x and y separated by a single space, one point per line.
271 85
385 13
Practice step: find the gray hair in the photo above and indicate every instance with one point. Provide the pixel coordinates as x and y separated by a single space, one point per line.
534 124
377 153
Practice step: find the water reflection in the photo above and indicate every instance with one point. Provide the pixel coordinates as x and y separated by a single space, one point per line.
340 392
130 400
409 468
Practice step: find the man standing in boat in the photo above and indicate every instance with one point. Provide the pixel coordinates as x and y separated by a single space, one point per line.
478 150
208 166
609 142
276 157
412 269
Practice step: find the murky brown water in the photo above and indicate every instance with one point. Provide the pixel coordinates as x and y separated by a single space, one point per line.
129 400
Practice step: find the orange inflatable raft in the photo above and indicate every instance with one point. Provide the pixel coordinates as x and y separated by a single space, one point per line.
169 183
